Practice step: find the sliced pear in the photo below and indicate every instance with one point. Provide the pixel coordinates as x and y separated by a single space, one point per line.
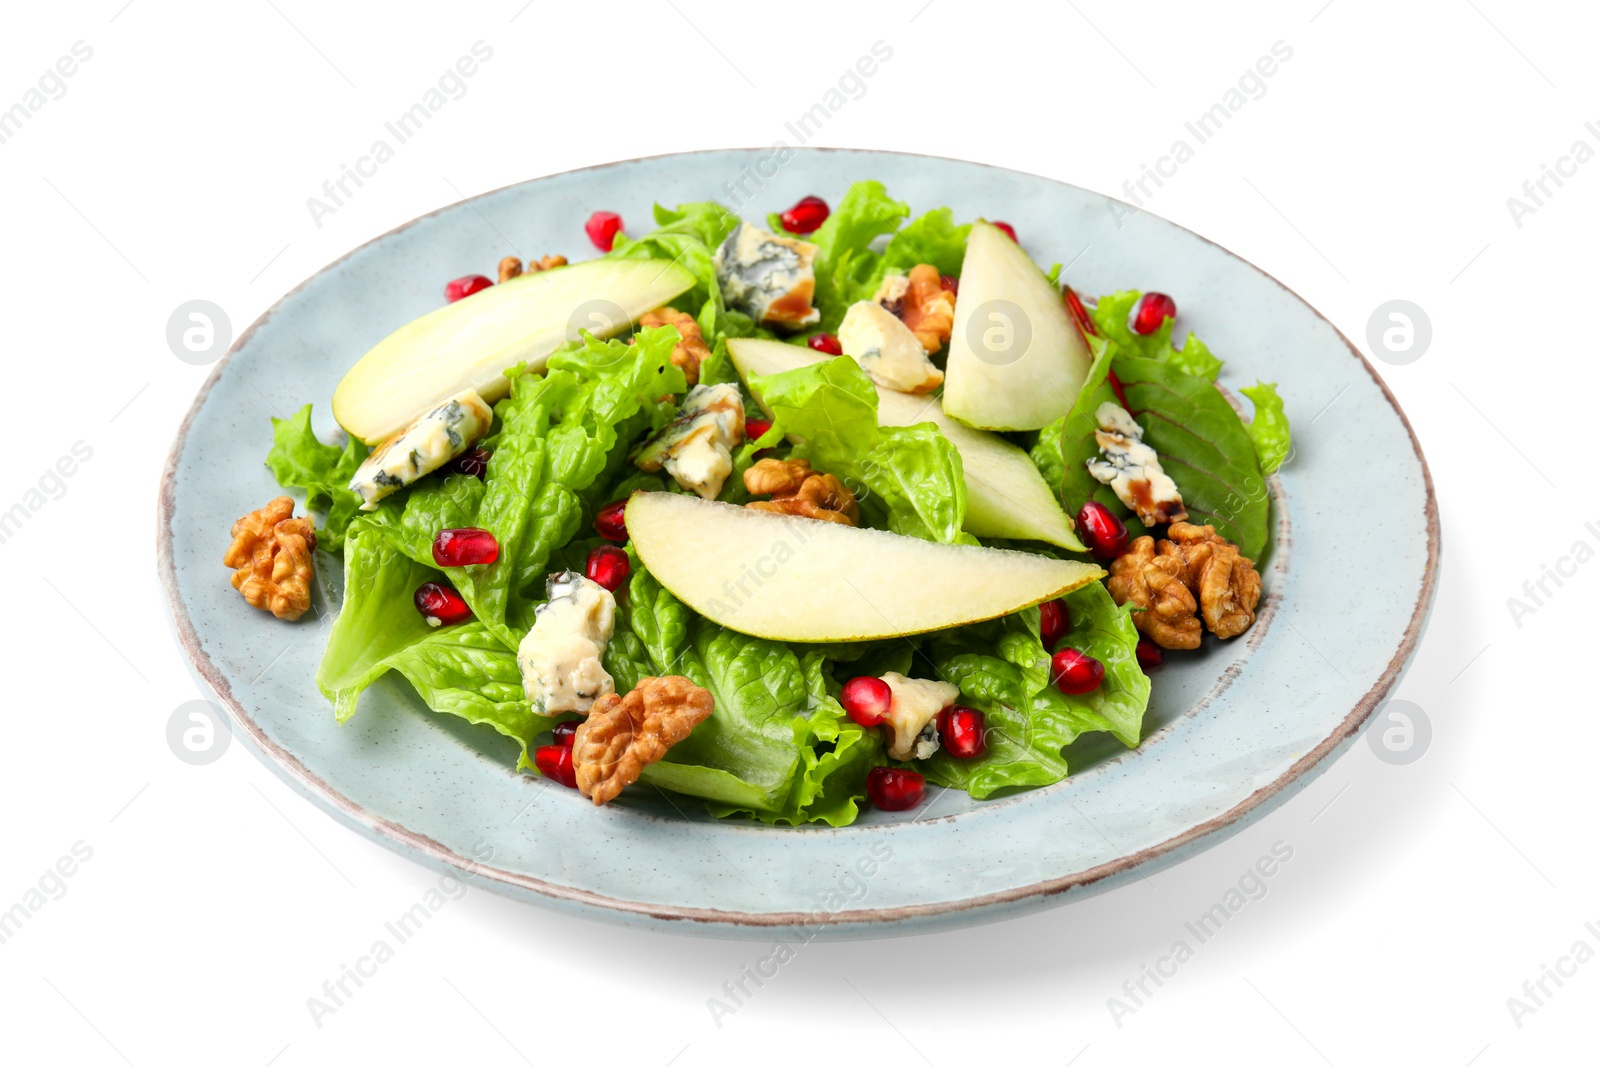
793 579
470 343
1016 359
1006 494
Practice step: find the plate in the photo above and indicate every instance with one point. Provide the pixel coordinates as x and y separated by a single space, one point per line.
1231 732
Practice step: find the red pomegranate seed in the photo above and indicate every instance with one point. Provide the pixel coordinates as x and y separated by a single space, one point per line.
565 733
1151 310
464 287
440 605
1079 312
1007 229
866 699
602 228
1149 653
1076 673
1106 534
555 763
1053 623
607 566
474 462
893 789
465 547
826 342
611 523
949 284
961 731
755 429
805 216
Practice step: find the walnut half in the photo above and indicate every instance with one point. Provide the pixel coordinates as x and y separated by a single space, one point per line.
511 266
625 734
1164 609
796 489
271 557
1225 583
691 349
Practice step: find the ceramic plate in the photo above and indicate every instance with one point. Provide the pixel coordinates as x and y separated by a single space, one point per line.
1231 731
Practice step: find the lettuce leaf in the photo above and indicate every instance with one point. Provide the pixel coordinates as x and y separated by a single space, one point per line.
932 238
689 235
1030 721
907 478
1111 318
1203 446
299 461
1078 445
847 269
1269 428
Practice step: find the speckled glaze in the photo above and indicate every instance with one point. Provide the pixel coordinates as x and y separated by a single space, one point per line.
1232 731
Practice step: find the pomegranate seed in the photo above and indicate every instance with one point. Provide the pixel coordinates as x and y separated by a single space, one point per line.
961 731
565 733
474 462
866 699
464 287
607 566
465 547
1107 535
755 429
1053 623
440 605
1149 313
1149 653
826 342
611 524
1076 673
805 216
893 789
555 763
1079 312
1007 229
602 228
949 284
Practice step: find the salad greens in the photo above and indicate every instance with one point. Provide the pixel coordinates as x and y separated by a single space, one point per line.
778 747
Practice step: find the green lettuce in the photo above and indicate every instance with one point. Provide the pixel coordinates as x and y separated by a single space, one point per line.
299 461
1269 428
933 238
1111 318
907 478
689 235
1076 443
846 268
1003 670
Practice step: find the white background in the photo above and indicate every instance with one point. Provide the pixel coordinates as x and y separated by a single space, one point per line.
1377 166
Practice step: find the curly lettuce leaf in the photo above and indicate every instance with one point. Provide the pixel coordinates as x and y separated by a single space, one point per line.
1269 428
300 461
689 235
932 238
846 267
1111 319
1203 446
1029 720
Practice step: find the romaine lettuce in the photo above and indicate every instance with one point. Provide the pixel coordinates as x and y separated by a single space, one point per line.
299 461
1269 428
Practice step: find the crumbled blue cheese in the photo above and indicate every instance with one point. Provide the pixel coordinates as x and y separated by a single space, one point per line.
1132 469
768 276
560 657
887 350
696 448
430 442
914 707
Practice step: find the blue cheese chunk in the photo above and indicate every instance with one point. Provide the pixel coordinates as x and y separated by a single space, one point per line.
430 442
914 707
560 657
887 350
767 276
1132 469
696 448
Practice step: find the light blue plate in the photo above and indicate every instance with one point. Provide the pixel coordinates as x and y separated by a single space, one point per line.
1232 731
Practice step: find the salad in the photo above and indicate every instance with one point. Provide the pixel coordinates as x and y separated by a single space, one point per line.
782 516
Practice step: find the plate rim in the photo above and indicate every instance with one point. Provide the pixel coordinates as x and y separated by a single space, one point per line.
417 845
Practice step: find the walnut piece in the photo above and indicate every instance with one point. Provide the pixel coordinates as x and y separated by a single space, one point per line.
1164 608
271 558
926 307
691 349
1223 581
796 489
511 266
625 734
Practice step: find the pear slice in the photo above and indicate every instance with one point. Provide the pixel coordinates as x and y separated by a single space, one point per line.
1016 359
1006 494
793 579
470 343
